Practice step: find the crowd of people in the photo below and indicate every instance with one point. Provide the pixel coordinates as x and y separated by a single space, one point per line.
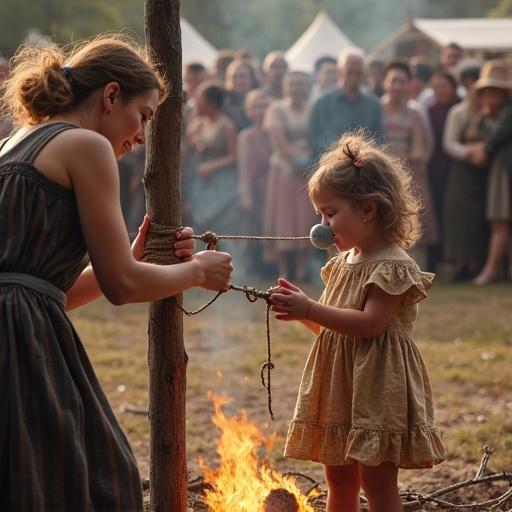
251 141
252 133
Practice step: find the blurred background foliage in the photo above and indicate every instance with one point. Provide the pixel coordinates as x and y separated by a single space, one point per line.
258 26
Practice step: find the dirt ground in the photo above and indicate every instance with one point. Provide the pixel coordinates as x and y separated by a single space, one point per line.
464 333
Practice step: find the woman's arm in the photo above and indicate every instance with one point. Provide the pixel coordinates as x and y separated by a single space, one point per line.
290 303
245 166
455 121
86 288
419 139
501 133
92 168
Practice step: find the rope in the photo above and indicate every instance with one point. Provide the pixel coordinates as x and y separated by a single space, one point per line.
202 308
252 295
159 248
211 239
269 366
161 238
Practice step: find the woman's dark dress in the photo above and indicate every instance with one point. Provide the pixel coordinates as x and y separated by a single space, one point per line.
466 228
61 448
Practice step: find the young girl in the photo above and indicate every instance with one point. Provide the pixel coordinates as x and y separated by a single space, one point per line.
60 444
364 407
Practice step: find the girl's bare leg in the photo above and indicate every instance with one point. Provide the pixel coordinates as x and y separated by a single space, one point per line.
343 485
380 484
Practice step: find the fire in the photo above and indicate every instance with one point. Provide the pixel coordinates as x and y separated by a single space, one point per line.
242 483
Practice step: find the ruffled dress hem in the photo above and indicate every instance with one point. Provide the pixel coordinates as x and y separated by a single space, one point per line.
417 448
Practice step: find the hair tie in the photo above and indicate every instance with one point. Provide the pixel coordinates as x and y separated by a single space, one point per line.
358 164
67 72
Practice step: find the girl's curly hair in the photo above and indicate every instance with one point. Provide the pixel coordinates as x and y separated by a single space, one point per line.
357 168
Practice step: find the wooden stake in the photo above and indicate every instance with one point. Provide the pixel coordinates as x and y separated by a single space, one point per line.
167 356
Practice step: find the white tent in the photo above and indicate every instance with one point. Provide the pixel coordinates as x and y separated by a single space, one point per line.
194 46
469 33
426 36
322 37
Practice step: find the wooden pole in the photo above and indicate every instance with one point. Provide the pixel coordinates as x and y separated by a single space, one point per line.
167 356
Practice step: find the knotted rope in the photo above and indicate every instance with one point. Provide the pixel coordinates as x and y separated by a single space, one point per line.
211 239
160 242
159 249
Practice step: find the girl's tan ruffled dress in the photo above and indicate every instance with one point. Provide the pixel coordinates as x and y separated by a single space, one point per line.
368 399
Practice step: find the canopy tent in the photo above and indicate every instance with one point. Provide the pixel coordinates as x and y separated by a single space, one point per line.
478 36
195 48
490 34
322 37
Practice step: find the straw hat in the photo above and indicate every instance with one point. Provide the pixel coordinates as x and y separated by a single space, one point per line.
494 74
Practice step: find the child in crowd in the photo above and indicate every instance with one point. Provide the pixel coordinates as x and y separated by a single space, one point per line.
365 406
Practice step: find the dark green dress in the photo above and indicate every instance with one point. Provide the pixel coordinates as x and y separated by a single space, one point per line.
466 228
61 448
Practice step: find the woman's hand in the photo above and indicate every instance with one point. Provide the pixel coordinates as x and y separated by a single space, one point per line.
216 268
289 302
204 169
138 245
476 154
182 248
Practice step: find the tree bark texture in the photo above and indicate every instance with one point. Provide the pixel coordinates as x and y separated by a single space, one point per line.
167 356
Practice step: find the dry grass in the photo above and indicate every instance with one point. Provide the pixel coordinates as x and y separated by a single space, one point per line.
464 333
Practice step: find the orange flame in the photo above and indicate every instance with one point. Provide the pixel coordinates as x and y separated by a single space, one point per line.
241 483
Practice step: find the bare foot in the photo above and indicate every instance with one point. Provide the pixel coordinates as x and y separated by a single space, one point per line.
483 279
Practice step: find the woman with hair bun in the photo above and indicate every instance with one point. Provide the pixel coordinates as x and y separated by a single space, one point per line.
76 113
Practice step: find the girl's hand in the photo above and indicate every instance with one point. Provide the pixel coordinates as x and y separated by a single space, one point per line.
182 248
289 302
138 246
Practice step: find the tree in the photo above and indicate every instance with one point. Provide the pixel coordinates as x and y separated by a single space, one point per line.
502 10
167 356
61 20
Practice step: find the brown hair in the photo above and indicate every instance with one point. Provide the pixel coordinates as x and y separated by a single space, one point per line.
356 168
232 69
47 81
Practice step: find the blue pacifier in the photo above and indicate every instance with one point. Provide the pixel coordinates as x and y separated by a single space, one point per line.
321 236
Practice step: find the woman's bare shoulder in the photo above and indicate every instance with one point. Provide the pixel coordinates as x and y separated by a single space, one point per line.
73 150
79 147
82 141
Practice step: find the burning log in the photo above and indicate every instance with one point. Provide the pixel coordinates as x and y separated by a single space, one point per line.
243 482
280 500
